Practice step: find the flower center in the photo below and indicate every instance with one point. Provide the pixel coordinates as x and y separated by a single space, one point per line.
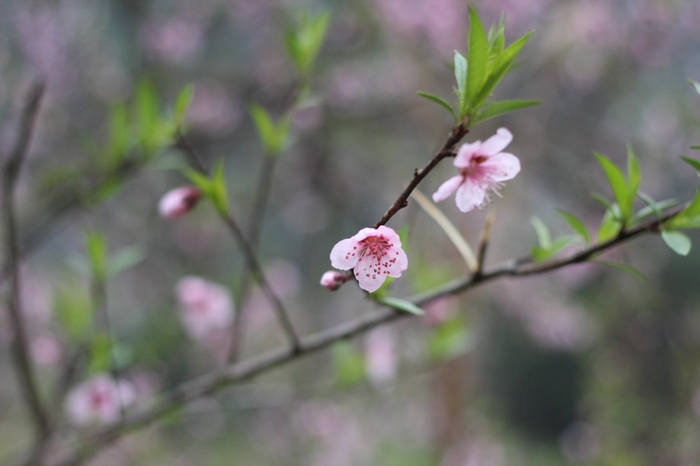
374 260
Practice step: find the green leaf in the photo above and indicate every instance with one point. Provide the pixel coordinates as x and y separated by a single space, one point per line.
624 267
652 207
603 200
576 225
544 239
461 77
219 196
147 114
677 241
539 254
182 103
493 109
692 162
440 101
305 39
349 365
617 185
73 311
124 259
695 147
96 248
695 84
633 177
477 55
200 180
689 217
272 136
118 134
609 226
401 305
501 67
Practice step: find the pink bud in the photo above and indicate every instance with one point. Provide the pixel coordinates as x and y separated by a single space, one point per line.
177 202
332 280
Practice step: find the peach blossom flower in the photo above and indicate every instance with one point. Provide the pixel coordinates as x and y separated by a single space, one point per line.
177 202
204 306
374 254
333 280
482 167
99 400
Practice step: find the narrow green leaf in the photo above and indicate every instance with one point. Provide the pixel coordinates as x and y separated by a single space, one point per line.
633 177
695 84
689 217
576 225
219 195
182 103
99 357
147 114
544 239
677 241
304 40
440 101
401 305
73 311
540 254
349 365
198 179
651 208
501 67
624 267
692 162
125 259
695 147
477 55
96 248
617 185
461 77
609 227
118 134
493 109
272 136
602 199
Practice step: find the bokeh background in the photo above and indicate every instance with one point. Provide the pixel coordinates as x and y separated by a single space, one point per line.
583 366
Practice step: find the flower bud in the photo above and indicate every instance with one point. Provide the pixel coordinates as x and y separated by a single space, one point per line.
332 280
177 202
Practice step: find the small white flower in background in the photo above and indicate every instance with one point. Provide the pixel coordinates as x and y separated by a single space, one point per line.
99 400
204 306
177 202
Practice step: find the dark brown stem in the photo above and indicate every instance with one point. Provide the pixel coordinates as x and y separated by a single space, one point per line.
484 243
456 135
20 343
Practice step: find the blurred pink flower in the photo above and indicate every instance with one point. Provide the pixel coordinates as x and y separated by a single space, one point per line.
482 167
174 40
374 254
333 280
177 202
380 356
99 400
204 306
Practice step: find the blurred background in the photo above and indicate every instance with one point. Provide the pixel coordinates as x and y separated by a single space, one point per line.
586 365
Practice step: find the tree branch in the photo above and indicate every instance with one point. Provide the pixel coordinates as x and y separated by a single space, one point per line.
257 365
20 343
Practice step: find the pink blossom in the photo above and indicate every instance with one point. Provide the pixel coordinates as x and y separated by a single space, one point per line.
380 356
99 400
332 280
45 350
374 254
204 306
177 202
482 167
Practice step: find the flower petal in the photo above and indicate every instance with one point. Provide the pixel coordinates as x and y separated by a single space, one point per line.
390 235
366 274
465 154
447 188
497 142
400 262
344 254
502 167
469 195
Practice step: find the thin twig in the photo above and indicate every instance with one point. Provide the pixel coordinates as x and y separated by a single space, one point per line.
456 135
484 242
257 365
20 343
256 219
248 253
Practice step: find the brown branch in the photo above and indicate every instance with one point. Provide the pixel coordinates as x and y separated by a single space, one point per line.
20 343
456 135
257 365
247 250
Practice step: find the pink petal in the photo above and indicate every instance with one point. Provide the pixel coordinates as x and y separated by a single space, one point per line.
344 254
465 154
400 264
469 195
390 235
447 188
366 277
502 167
497 142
